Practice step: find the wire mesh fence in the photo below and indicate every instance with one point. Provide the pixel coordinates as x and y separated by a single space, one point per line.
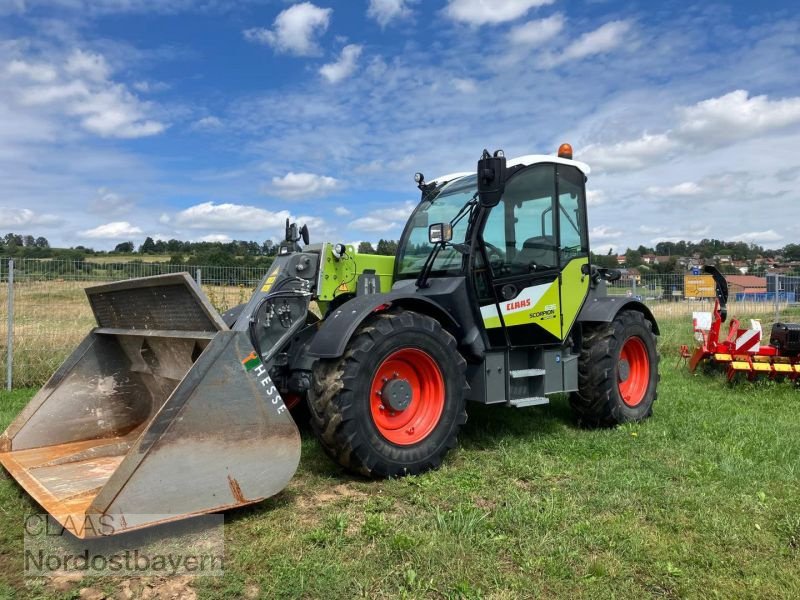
50 315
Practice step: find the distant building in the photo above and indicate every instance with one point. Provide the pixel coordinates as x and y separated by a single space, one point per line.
746 284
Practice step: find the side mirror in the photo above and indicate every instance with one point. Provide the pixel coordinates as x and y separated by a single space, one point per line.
304 234
440 233
491 178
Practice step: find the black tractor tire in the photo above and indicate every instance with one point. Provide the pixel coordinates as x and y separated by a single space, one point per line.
341 396
602 373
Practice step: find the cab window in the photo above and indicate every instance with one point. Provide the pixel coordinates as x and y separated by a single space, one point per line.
574 241
519 233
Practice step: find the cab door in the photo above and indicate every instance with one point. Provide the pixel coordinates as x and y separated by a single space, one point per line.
519 244
533 245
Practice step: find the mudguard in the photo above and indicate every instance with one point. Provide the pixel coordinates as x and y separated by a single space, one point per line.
336 330
603 309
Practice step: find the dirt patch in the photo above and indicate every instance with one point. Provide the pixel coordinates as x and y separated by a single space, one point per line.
137 588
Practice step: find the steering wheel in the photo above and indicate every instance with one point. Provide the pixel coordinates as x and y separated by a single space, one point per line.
497 257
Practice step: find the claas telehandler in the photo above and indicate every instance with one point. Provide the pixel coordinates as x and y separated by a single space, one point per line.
168 409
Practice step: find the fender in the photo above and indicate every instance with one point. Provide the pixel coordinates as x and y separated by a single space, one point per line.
336 330
603 309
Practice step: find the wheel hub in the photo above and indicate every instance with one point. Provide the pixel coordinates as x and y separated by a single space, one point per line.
623 370
397 394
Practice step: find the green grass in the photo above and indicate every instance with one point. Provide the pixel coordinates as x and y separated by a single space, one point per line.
702 500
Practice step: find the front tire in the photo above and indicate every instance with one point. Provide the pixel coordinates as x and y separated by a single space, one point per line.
617 372
394 403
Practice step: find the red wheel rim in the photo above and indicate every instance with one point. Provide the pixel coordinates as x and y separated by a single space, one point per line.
633 371
415 377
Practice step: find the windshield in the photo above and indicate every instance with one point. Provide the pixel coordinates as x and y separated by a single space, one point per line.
415 248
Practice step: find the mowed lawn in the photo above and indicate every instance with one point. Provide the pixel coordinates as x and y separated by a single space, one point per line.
702 500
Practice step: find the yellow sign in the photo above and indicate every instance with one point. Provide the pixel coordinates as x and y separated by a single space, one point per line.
699 286
270 280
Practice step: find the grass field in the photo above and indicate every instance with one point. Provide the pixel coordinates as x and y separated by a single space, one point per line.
701 501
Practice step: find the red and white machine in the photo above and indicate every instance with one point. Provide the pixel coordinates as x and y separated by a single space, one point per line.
740 351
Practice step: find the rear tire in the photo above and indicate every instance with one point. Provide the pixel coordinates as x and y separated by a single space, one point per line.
406 355
617 372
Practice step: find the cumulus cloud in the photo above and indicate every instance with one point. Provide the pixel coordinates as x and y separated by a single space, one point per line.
24 217
688 188
110 203
759 237
295 30
631 154
386 11
209 123
341 211
482 12
603 233
345 66
115 230
595 197
736 115
714 122
81 87
465 85
302 185
536 33
384 220
231 217
603 39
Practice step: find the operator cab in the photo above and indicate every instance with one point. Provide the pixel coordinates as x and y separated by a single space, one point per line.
523 257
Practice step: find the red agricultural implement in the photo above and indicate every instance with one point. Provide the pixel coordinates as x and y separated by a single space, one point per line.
740 351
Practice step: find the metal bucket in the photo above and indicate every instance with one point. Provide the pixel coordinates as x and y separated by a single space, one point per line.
162 412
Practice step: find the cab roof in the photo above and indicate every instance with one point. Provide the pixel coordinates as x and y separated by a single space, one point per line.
527 160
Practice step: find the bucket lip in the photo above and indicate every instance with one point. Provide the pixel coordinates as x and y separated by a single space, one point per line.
182 278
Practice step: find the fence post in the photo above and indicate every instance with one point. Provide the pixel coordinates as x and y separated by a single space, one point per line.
198 277
10 332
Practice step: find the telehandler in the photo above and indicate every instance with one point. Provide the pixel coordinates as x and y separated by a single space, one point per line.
168 409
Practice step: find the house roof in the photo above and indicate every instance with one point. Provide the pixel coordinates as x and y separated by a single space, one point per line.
747 281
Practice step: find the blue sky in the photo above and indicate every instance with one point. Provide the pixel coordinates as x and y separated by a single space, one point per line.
216 120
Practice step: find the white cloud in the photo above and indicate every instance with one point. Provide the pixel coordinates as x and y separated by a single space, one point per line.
115 230
39 72
24 217
385 219
110 203
629 155
736 115
341 211
80 87
302 185
210 123
595 197
87 64
759 237
603 233
686 189
295 30
215 237
345 66
604 38
386 11
536 33
231 217
482 12
465 85
164 219
373 224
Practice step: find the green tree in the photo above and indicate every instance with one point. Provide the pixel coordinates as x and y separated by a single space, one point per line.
366 248
149 246
386 247
124 248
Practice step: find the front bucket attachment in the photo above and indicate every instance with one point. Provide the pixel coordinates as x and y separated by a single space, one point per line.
161 413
